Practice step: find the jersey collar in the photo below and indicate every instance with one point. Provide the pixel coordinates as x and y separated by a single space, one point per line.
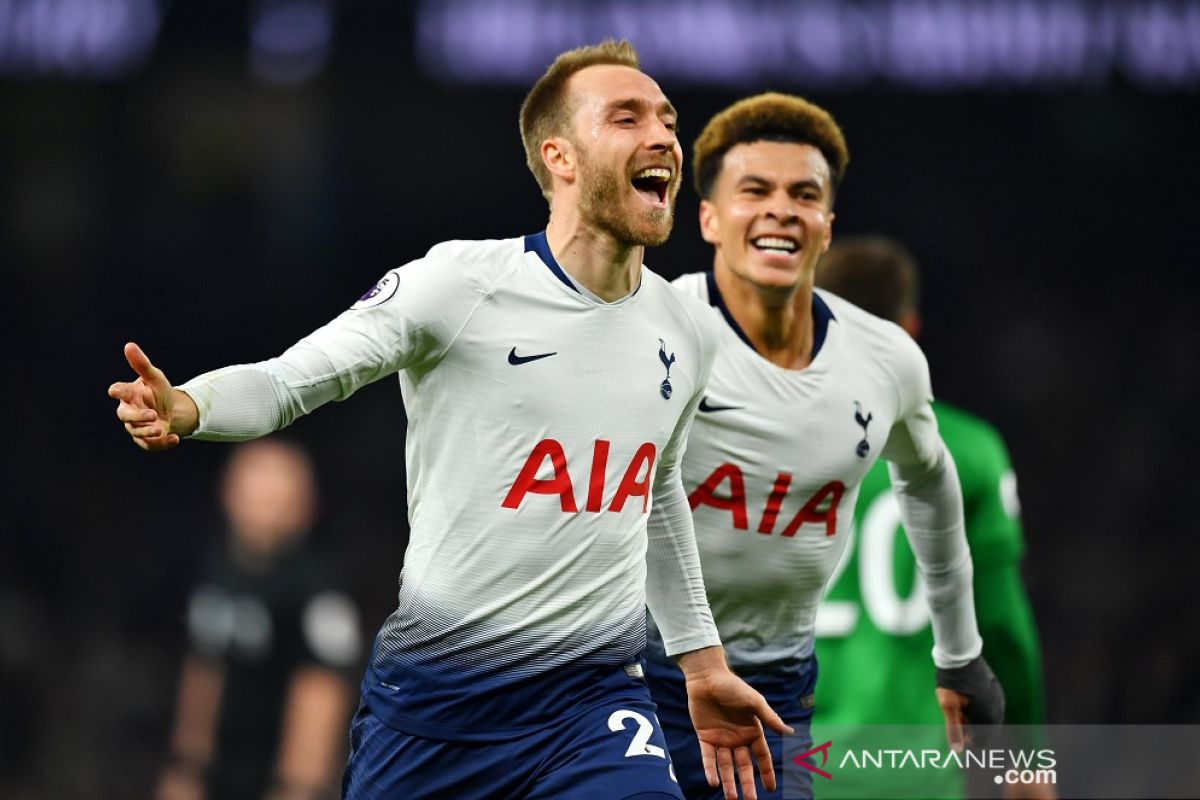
821 315
537 243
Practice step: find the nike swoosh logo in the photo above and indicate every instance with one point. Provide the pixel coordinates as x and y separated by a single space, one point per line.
515 359
705 407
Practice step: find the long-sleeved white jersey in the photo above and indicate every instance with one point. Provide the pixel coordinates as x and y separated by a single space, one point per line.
773 469
545 430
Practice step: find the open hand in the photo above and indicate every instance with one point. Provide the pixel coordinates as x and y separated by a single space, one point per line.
728 715
147 404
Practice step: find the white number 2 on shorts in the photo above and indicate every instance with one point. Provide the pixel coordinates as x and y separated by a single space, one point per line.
640 746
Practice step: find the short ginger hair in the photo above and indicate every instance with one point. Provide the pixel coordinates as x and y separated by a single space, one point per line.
771 117
546 113
875 273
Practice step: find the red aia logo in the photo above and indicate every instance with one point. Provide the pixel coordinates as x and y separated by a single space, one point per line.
821 507
634 483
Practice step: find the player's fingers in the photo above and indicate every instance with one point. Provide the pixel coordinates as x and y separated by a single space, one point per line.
123 391
745 772
136 393
954 730
725 767
158 443
952 709
708 756
153 430
769 718
766 764
142 366
127 412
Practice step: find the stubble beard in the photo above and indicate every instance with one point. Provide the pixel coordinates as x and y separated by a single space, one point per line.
602 199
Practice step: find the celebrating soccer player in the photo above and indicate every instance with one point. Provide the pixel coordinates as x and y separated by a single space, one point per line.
550 382
806 393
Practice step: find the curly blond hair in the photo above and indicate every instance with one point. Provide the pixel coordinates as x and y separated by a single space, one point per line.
770 117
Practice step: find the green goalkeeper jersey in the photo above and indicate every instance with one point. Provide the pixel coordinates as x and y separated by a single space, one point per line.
873 631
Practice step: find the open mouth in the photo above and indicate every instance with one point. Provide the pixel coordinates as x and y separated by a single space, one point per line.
775 245
652 184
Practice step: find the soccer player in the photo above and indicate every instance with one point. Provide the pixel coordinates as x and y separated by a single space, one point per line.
550 382
806 393
873 627
264 693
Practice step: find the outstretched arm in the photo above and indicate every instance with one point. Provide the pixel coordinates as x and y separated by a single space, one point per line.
427 303
155 413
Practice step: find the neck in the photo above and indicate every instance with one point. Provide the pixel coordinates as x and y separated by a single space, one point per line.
594 258
249 557
777 320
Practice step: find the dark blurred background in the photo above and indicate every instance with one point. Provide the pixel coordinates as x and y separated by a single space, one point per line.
213 180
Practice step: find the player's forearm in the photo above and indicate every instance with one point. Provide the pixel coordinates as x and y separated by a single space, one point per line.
931 507
674 585
246 401
956 639
235 403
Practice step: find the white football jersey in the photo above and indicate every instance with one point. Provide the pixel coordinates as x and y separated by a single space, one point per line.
539 421
775 459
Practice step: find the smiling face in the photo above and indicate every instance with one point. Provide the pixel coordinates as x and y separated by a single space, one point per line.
768 214
627 159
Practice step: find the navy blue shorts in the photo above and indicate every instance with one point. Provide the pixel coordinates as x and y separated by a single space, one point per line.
790 693
614 751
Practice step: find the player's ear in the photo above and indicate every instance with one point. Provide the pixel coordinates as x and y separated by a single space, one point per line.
710 228
560 157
